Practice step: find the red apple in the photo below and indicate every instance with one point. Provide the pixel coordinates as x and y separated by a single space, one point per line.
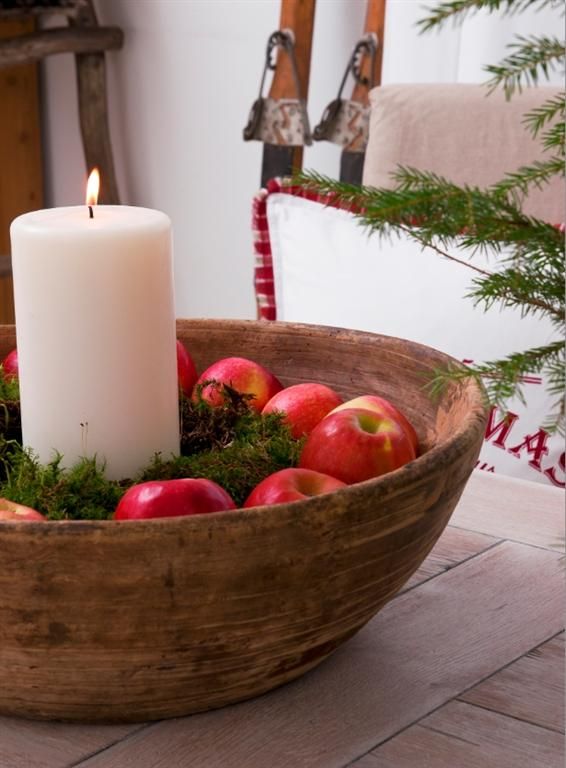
355 444
10 365
304 405
383 407
9 510
291 484
172 498
186 370
243 375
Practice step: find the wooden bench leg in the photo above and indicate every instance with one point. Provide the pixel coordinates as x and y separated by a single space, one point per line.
95 130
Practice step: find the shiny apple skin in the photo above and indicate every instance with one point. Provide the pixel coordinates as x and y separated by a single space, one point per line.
9 510
355 444
243 375
172 498
304 406
10 365
382 406
186 370
292 484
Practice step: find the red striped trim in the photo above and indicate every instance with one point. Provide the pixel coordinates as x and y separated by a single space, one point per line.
263 261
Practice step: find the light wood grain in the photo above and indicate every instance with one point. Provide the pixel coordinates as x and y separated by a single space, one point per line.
424 648
20 155
463 736
5 265
367 761
27 744
298 16
454 547
67 8
375 22
515 509
530 689
6 298
93 107
34 47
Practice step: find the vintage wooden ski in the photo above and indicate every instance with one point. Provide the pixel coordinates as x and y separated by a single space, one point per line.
352 163
281 120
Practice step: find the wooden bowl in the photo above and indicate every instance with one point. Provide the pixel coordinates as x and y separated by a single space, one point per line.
112 621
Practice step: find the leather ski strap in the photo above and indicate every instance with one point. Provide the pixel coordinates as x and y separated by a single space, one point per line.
280 120
352 162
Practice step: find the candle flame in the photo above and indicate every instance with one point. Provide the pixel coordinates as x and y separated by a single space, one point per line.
92 187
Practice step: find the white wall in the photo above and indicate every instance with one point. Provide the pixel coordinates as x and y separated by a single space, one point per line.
180 92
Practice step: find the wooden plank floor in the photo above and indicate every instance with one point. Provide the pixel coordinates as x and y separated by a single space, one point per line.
525 511
514 718
531 689
464 669
462 735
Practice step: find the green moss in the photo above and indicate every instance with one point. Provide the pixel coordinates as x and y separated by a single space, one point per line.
10 424
230 444
80 493
239 466
9 387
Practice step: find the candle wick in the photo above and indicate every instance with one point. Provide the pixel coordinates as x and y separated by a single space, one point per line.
90 212
84 436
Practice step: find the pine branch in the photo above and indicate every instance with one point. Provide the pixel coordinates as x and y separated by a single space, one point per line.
531 56
458 10
530 292
539 117
504 378
427 242
440 209
555 387
477 217
533 258
537 174
553 139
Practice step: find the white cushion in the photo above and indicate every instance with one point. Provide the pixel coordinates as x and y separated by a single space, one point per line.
461 132
327 270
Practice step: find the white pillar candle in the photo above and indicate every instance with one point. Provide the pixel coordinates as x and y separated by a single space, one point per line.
95 328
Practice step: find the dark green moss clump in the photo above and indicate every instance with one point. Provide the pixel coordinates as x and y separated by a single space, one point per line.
231 444
10 423
204 428
260 446
9 388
